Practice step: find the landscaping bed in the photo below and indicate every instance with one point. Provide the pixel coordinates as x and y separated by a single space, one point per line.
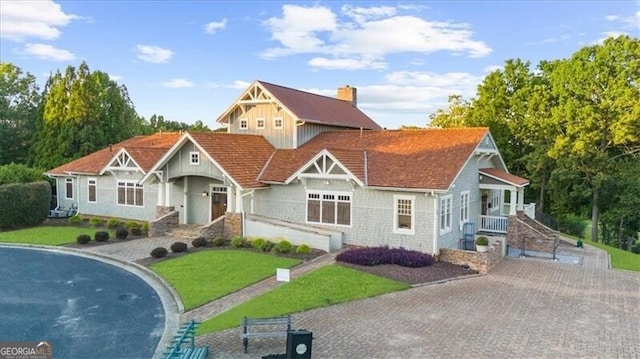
433 273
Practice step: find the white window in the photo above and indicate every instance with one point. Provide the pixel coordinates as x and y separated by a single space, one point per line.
130 194
68 188
260 124
329 208
277 122
92 186
445 214
404 216
194 158
464 207
244 124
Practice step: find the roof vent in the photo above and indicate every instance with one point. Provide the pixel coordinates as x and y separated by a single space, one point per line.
349 94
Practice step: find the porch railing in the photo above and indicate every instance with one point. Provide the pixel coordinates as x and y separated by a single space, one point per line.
495 224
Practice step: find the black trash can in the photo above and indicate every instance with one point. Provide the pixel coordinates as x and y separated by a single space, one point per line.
299 344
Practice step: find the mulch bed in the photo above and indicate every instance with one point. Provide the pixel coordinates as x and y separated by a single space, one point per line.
433 273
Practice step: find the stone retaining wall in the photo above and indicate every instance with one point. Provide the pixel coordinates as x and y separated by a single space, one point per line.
160 226
479 262
523 231
213 230
162 211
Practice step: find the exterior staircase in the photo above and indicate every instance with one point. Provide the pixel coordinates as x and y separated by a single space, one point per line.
185 231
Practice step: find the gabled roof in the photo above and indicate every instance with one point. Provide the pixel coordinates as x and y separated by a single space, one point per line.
311 107
416 159
241 156
144 150
505 177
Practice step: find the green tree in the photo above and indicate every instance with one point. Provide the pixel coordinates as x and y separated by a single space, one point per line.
19 100
157 123
598 112
83 111
454 116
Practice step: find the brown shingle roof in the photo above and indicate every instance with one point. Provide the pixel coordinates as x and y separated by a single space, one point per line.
144 150
242 156
505 177
320 109
420 159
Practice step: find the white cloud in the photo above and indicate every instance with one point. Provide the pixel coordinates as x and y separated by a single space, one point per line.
177 83
20 20
612 17
154 54
346 64
48 52
365 33
608 34
297 30
492 68
214 26
115 77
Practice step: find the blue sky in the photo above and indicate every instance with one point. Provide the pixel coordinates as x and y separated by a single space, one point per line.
189 60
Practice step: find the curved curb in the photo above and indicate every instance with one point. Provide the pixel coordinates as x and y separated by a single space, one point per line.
169 298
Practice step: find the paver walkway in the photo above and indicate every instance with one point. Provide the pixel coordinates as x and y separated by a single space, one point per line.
524 308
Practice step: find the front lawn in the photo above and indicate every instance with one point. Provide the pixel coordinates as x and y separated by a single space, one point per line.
325 286
204 276
49 235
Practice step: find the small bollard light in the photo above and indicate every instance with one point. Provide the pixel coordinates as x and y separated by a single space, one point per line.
579 244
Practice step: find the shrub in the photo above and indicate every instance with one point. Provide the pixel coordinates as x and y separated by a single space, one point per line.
218 242
132 224
636 248
122 233
145 227
199 242
114 223
83 239
136 231
239 242
373 256
178 247
572 224
101 236
95 221
303 249
258 243
75 219
159 252
268 246
25 204
482 241
283 246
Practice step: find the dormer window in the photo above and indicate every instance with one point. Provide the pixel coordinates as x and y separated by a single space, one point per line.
244 124
194 158
260 124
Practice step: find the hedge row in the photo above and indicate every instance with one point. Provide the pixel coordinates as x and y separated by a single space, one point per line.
24 204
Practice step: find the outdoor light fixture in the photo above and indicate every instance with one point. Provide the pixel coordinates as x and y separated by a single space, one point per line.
204 194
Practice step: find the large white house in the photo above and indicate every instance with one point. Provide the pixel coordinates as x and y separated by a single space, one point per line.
308 168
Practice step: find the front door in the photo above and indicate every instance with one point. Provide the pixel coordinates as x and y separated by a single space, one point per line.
485 204
218 203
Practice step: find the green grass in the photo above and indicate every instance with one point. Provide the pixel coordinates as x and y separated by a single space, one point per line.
204 276
620 259
49 235
328 285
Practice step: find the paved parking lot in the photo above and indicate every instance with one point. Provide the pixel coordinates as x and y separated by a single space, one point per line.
525 308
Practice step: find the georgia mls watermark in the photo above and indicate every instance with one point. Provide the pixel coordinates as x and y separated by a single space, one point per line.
26 350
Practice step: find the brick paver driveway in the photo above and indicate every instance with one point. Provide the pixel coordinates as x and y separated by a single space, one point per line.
525 308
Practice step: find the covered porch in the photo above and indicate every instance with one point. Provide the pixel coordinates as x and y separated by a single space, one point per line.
502 195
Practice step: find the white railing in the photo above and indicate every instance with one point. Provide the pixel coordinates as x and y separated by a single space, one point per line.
530 210
495 224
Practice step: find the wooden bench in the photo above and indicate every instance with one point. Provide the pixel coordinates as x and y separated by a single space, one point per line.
186 334
274 327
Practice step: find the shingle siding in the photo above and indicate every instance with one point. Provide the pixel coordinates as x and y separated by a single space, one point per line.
372 213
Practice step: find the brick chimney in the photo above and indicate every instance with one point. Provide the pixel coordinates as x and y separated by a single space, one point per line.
349 94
